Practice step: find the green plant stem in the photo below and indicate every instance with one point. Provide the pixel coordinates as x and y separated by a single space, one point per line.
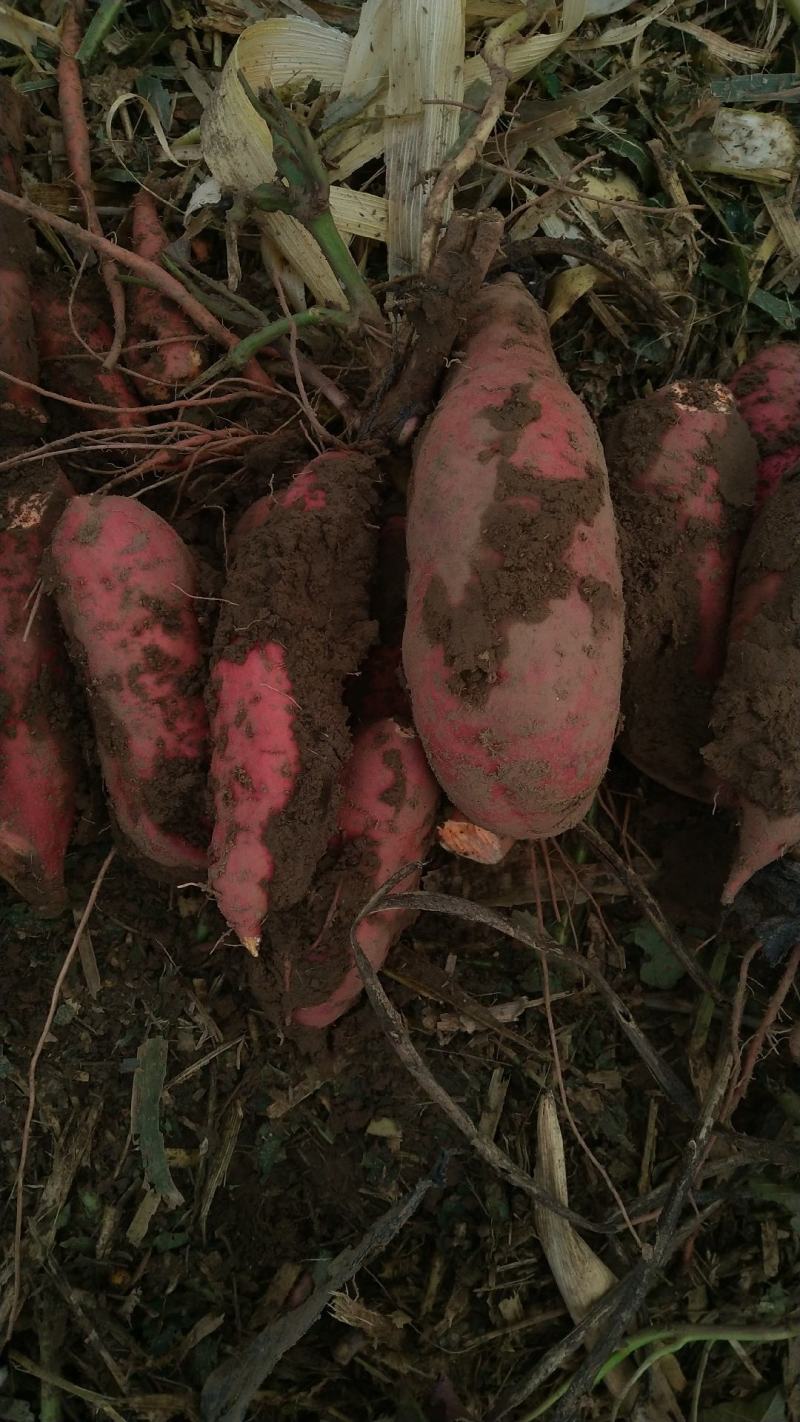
227 305
103 20
306 198
674 1339
327 235
238 356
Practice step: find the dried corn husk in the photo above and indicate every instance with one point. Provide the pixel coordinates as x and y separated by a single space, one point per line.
761 147
523 55
237 143
581 1277
426 87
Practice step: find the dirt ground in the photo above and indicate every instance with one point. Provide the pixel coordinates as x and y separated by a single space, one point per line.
279 1159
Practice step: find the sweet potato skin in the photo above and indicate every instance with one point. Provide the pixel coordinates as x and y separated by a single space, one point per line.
38 761
386 820
69 370
682 468
756 711
294 626
124 583
165 349
767 393
513 640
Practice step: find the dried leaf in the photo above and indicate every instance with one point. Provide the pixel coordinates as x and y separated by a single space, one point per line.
426 87
525 54
568 287
723 49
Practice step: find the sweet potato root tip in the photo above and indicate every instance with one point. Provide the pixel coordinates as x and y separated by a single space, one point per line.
513 639
682 467
763 838
767 391
125 586
38 760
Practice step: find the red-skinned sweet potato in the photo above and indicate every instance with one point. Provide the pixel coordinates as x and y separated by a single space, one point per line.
68 369
38 761
767 393
756 712
125 583
513 640
682 468
385 820
293 627
165 349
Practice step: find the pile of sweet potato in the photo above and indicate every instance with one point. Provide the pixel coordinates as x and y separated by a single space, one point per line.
294 758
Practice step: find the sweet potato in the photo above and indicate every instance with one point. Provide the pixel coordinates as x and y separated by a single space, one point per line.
682 467
20 409
767 392
385 820
513 640
124 584
165 348
756 712
38 763
293 627
67 367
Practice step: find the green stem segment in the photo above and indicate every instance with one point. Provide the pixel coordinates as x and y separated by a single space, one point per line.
328 237
674 1339
304 195
239 355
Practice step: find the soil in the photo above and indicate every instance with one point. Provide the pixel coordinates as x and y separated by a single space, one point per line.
20 411
756 720
526 534
668 679
302 580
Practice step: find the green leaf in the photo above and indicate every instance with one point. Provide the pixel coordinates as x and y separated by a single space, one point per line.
148 1083
660 968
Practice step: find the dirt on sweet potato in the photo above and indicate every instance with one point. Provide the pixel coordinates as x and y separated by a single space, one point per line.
663 614
757 706
531 568
302 581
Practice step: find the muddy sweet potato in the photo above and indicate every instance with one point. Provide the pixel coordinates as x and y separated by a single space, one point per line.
756 710
682 468
513 641
38 761
165 350
385 820
124 584
767 393
70 370
294 626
